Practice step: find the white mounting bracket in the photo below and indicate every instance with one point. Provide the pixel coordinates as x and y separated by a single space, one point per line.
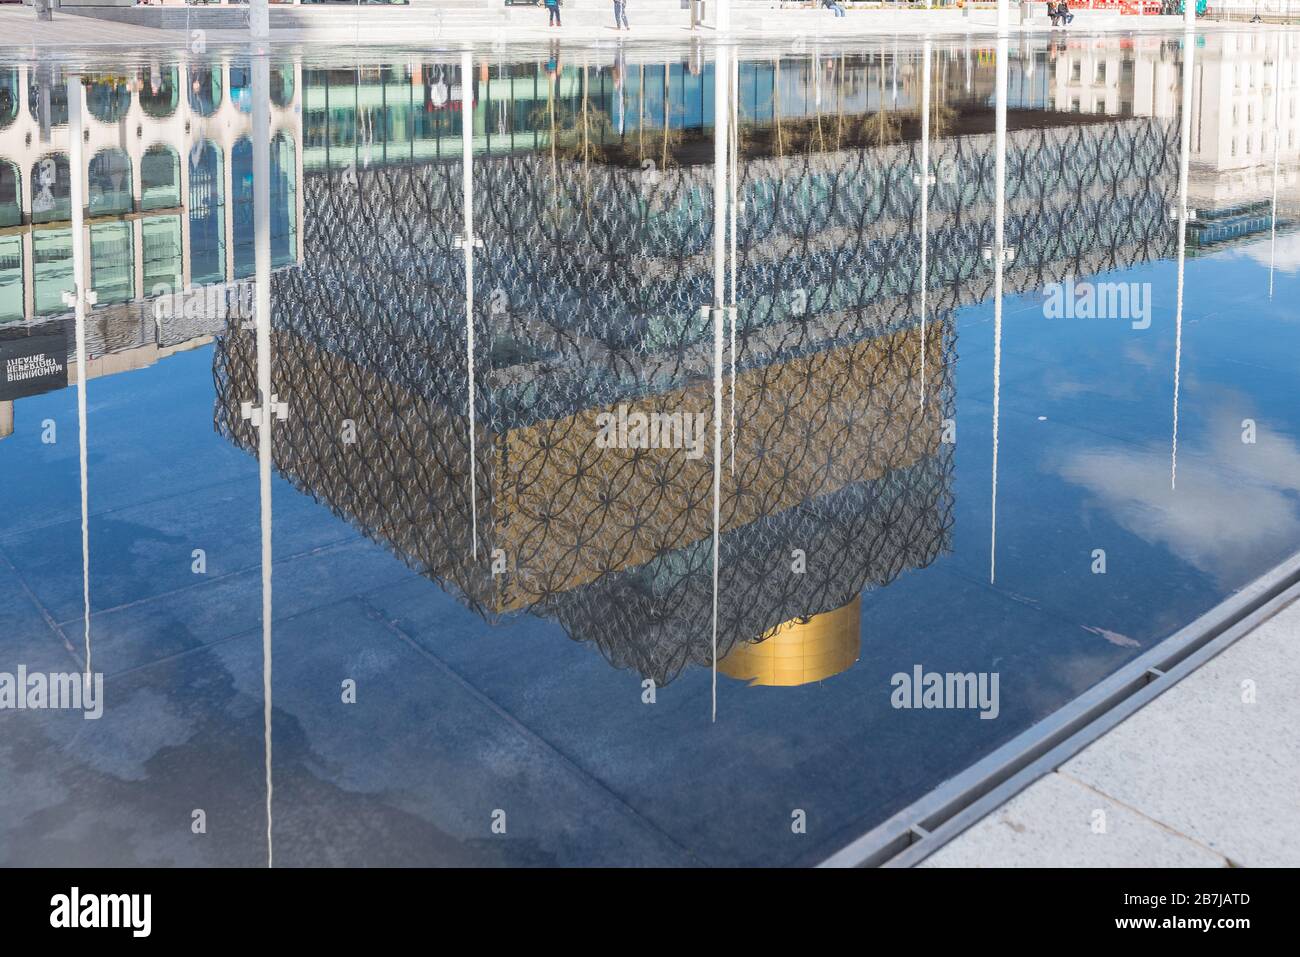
707 313
929 179
70 298
250 413
1008 254
460 241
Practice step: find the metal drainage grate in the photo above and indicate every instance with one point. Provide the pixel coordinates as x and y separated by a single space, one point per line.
923 827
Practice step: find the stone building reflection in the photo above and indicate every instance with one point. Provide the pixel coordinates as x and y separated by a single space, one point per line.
169 176
167 181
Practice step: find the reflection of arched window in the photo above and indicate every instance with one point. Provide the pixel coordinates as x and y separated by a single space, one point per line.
51 268
110 183
241 169
11 247
284 200
282 84
11 279
108 100
205 89
159 92
284 186
48 100
160 178
241 86
11 196
161 255
112 263
51 189
8 97
207 216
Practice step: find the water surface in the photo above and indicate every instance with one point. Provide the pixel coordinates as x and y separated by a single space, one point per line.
481 612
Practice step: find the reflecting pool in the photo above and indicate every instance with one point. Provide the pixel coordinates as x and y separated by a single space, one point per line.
593 449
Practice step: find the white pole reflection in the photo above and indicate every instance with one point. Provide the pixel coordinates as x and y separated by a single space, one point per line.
733 171
925 201
467 202
1277 144
721 118
999 260
80 297
815 68
1184 166
894 75
620 88
267 401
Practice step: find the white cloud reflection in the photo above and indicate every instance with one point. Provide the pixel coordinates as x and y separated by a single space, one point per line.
1234 503
1284 257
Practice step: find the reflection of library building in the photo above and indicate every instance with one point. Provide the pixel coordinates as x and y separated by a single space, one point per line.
167 181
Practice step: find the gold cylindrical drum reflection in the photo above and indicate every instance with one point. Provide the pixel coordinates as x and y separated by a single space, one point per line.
797 652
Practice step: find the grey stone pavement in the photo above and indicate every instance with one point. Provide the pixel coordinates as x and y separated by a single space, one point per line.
751 22
19 26
1206 775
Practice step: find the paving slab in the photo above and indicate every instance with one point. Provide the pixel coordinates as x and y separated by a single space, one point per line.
1217 757
1207 774
412 772
530 25
1059 822
18 25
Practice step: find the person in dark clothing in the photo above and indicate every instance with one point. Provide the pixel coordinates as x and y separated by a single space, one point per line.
1063 13
553 6
620 15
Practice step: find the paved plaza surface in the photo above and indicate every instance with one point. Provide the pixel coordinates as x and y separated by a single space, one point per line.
1203 776
590 21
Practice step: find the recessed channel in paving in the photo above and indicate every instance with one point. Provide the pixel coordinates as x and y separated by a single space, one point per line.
665 458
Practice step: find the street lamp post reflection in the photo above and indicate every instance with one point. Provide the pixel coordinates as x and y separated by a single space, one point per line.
1184 168
721 167
999 254
269 407
79 298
